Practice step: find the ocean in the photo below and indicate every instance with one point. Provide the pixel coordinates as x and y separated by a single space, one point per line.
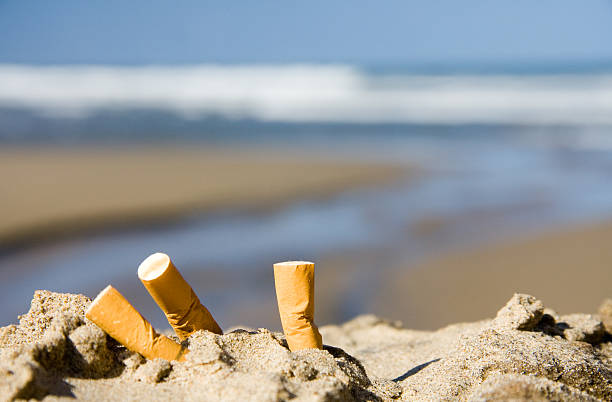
500 153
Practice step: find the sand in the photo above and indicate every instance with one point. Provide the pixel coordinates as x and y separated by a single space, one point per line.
527 352
570 268
52 192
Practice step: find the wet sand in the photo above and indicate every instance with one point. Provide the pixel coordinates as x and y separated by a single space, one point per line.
570 268
53 192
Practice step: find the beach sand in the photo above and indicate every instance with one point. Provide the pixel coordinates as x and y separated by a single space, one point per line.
570 268
526 353
50 192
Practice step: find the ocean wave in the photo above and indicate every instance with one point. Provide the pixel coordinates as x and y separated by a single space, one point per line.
310 93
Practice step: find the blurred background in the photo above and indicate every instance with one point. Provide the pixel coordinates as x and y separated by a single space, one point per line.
432 157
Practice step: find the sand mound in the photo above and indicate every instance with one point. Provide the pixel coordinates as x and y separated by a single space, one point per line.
522 354
55 350
526 353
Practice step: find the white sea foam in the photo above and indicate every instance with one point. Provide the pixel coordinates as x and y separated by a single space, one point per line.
311 93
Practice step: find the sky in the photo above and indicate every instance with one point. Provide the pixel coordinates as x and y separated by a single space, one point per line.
142 32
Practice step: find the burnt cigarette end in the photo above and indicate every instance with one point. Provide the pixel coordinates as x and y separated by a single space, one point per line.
175 297
117 317
294 282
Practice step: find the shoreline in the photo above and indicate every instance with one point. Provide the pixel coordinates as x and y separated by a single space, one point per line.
61 193
568 267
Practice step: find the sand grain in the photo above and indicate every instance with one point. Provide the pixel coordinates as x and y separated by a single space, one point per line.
487 360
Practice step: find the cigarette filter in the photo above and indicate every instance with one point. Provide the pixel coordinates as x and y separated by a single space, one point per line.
294 282
175 297
117 317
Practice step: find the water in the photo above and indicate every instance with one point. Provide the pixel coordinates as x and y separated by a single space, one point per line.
311 93
472 189
499 154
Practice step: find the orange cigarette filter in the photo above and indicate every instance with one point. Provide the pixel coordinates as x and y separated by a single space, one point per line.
175 297
117 317
294 281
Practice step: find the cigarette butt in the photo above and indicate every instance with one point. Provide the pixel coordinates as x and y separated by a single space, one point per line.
117 317
175 297
294 282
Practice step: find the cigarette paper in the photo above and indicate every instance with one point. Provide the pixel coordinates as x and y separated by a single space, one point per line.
175 297
117 317
294 282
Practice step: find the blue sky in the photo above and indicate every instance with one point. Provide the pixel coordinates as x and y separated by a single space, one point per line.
364 32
